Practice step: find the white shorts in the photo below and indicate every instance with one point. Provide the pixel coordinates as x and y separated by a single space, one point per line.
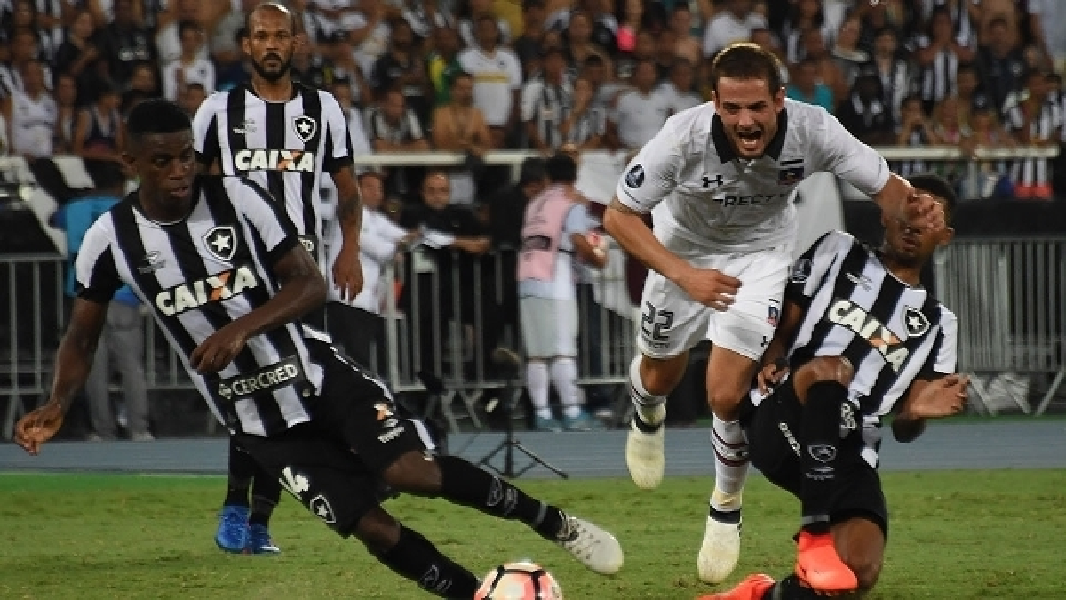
549 326
671 322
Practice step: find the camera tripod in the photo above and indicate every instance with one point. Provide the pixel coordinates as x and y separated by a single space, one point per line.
511 365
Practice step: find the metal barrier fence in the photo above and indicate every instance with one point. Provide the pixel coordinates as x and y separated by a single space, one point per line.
1010 297
1007 294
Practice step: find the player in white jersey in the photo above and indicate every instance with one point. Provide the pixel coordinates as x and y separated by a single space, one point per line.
718 180
860 338
282 135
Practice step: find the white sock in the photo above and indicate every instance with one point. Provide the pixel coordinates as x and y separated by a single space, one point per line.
730 464
651 408
564 378
537 384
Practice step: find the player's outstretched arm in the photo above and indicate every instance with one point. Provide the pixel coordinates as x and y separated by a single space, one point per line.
898 197
74 360
929 399
302 290
706 286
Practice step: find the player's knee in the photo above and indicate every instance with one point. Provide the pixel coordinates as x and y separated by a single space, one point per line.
821 369
724 400
378 531
414 474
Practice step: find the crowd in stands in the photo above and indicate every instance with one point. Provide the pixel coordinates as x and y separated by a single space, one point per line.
475 75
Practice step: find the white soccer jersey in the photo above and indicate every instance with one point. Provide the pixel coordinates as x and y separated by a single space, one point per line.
495 79
691 180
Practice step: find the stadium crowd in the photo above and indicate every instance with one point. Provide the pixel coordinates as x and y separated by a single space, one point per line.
475 75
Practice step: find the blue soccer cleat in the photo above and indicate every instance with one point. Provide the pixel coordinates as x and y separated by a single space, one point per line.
259 541
232 535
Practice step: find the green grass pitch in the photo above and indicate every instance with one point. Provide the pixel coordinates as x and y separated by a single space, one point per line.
954 535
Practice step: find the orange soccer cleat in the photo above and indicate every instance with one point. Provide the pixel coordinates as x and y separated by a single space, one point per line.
751 588
819 566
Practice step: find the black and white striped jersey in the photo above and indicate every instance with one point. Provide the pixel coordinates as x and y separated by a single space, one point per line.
282 146
891 332
198 275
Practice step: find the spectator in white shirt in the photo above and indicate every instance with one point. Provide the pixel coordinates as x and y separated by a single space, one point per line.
497 79
678 89
358 325
640 112
190 67
731 25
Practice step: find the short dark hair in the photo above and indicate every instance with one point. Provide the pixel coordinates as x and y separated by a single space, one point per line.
745 60
156 115
937 186
275 6
188 25
561 168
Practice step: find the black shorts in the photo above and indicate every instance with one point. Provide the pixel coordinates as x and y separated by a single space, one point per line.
333 463
772 428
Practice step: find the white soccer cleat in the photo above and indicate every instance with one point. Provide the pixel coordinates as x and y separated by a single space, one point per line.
720 551
646 455
592 546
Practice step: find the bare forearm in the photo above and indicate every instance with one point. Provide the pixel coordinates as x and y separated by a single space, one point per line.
74 361
628 228
894 195
350 215
298 296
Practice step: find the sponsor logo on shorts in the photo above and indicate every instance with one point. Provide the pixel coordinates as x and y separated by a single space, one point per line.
320 506
822 452
391 434
285 372
791 439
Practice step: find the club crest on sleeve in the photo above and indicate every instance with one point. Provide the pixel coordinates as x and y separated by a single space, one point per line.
801 270
221 242
790 176
772 315
635 176
915 322
305 127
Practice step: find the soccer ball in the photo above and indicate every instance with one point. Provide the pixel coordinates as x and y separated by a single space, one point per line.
519 581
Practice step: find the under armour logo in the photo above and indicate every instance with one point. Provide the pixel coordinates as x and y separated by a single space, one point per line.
717 179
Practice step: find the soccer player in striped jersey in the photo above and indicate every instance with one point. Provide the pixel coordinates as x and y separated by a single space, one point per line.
719 181
859 339
227 279
283 135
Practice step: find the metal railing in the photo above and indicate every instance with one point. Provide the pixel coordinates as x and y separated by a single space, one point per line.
1010 297
1006 293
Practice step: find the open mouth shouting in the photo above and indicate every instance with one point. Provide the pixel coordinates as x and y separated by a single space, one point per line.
748 141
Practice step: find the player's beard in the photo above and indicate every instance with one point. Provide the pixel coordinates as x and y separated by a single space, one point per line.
282 70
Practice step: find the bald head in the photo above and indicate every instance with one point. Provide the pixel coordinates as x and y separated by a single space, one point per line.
272 8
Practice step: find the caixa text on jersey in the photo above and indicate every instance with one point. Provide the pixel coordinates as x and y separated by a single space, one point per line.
274 160
220 286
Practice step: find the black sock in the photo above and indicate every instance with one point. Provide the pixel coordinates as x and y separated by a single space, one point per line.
463 483
242 467
820 432
790 588
266 492
417 559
